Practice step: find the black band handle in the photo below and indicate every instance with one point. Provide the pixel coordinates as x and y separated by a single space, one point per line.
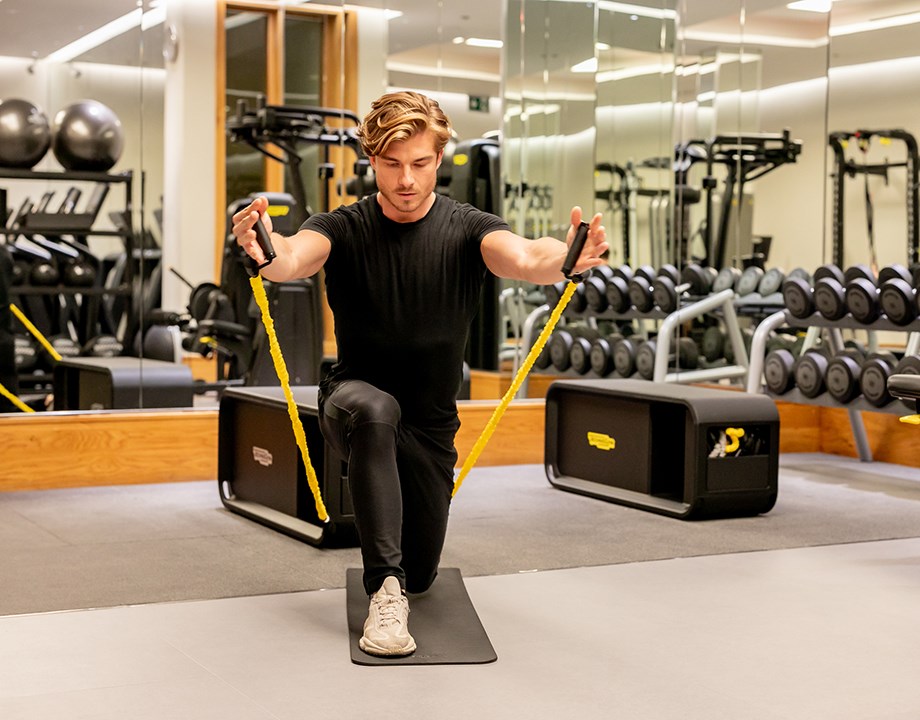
265 242
578 244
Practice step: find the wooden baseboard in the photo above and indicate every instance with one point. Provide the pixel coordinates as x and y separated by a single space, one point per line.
59 450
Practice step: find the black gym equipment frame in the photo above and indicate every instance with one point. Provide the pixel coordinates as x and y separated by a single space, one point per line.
844 168
746 157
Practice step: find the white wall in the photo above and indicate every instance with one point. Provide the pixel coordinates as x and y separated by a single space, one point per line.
190 150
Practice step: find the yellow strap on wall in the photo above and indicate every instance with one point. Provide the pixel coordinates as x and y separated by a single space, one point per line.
15 400
35 332
258 290
515 385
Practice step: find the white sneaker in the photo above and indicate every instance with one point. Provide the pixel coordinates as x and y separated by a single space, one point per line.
386 630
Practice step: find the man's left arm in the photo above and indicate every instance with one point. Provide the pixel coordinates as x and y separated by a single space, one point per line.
539 261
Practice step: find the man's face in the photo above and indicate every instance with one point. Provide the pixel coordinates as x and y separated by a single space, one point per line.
406 176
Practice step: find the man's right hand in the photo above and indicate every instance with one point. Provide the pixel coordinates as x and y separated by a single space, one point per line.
244 228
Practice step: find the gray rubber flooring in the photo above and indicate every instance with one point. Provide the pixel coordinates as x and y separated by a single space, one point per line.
754 618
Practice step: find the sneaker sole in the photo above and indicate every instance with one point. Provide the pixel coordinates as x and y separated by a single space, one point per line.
372 649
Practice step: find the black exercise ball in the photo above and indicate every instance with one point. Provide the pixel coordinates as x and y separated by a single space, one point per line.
25 135
87 135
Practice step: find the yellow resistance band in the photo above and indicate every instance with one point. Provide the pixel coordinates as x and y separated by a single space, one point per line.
515 385
35 332
15 400
258 290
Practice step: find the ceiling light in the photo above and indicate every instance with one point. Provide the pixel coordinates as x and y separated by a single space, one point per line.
879 24
458 40
816 6
119 26
747 39
483 42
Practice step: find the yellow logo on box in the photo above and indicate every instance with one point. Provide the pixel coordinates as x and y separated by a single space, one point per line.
601 441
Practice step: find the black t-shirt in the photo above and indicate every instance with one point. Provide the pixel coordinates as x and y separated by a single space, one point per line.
404 296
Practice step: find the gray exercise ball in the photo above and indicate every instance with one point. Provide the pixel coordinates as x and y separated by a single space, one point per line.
88 136
25 135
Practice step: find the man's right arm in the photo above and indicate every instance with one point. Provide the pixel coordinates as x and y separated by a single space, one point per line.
299 256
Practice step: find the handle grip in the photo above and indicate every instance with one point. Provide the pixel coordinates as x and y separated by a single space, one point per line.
265 242
578 244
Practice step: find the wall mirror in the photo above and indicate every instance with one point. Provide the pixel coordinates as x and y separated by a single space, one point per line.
602 104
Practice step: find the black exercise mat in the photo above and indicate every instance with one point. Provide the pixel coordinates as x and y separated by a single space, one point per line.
442 620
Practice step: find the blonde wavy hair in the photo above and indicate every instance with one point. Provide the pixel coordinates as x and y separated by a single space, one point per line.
399 116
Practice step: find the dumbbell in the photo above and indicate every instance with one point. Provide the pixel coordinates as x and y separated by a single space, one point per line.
640 287
843 373
778 371
830 291
726 279
25 353
747 336
771 282
596 288
749 280
601 354
873 378
580 352
103 346
686 355
563 340
624 356
577 304
908 365
810 371
617 289
712 345
694 279
898 295
862 291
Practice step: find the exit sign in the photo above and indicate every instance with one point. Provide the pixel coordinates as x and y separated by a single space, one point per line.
479 103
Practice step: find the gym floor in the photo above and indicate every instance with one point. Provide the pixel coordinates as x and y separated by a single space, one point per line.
808 612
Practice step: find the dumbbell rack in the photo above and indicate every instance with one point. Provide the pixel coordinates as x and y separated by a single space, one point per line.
815 324
723 301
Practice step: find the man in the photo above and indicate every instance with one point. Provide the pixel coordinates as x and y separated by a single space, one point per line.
404 271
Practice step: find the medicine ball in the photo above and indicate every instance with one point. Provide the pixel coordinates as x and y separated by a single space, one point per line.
88 136
25 135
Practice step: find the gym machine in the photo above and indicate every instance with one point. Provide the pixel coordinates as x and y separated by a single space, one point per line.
844 168
746 158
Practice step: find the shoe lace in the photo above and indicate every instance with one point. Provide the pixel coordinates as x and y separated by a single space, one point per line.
388 610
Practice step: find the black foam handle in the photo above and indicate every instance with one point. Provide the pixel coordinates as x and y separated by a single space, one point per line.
265 242
578 244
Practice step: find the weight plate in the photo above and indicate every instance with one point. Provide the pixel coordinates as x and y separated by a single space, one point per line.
810 370
861 297
873 382
777 371
726 279
618 295
797 297
897 301
830 298
647 272
624 357
843 379
771 282
750 280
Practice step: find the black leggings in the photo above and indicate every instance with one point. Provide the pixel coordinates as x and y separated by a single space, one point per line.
401 478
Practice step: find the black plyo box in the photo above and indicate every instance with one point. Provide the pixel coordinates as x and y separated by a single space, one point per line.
108 383
650 446
261 474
